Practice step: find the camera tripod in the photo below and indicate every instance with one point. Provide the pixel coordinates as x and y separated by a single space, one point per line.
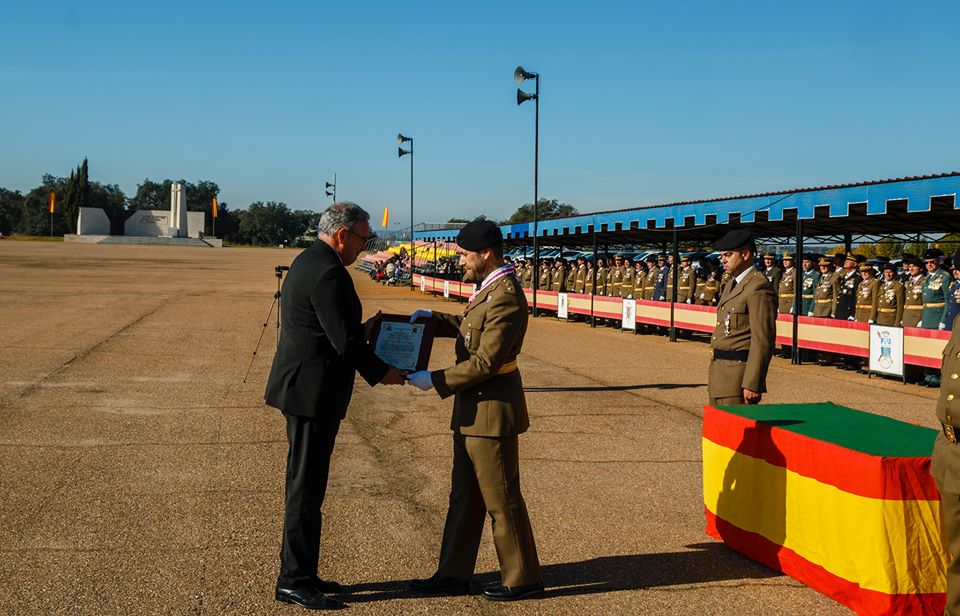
278 271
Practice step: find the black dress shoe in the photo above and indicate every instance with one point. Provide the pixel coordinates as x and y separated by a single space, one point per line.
440 584
328 586
310 597
515 593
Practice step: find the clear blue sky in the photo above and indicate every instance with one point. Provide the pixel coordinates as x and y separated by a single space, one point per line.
642 103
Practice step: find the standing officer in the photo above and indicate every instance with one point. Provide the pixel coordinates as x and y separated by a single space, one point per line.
489 412
934 292
890 298
650 280
868 295
771 271
543 282
825 297
571 280
580 281
559 282
811 278
663 274
588 277
847 286
626 280
913 288
639 277
615 276
786 291
707 291
746 330
527 274
687 284
601 277
945 464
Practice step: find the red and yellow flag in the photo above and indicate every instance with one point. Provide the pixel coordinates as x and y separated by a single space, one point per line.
52 202
386 217
214 211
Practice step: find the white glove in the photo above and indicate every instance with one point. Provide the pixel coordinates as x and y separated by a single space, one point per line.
421 379
809 314
421 314
942 327
870 321
851 319
688 301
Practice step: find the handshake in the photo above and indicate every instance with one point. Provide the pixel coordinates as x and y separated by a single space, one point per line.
420 378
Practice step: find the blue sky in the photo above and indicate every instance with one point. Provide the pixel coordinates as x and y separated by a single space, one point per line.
642 102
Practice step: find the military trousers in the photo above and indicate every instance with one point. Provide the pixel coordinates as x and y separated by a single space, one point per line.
486 480
950 529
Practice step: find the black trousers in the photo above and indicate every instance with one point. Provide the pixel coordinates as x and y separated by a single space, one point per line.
308 466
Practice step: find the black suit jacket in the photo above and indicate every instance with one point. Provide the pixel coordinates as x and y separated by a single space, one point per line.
322 342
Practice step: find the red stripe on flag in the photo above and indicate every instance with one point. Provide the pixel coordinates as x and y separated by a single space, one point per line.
849 470
861 600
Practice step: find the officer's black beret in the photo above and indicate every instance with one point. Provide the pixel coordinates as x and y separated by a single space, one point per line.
882 259
651 259
889 266
913 261
478 235
932 253
735 239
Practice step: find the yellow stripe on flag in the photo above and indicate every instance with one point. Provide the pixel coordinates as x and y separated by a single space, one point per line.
386 217
52 202
214 210
890 546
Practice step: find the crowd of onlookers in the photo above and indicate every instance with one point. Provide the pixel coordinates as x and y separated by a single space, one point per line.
390 271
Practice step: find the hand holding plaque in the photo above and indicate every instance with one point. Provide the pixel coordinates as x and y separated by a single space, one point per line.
401 343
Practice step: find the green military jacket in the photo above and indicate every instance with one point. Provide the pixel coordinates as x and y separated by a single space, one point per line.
868 296
580 282
934 293
808 288
588 281
601 281
825 296
746 321
773 274
913 300
559 280
614 278
786 291
571 282
626 282
687 286
890 303
707 290
485 380
945 464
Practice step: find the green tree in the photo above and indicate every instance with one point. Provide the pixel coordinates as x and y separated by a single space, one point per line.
34 212
11 203
885 247
546 208
269 224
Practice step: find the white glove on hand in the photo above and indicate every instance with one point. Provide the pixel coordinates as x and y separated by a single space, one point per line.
942 327
809 314
870 321
688 301
420 314
421 378
851 319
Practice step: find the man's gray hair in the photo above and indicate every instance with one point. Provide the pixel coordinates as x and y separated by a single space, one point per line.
344 214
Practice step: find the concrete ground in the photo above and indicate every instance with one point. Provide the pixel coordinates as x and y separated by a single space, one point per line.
139 474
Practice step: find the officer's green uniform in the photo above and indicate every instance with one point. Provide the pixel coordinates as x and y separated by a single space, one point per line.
544 280
489 412
579 282
650 282
571 281
825 296
868 296
934 294
890 303
559 283
687 285
626 282
786 291
614 278
527 274
811 279
773 273
913 302
707 290
588 279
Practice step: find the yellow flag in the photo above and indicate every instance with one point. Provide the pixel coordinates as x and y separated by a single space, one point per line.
215 211
386 217
52 202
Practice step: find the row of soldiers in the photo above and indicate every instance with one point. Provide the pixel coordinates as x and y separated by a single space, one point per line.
650 278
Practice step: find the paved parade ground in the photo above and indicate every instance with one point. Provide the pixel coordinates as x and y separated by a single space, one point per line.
140 475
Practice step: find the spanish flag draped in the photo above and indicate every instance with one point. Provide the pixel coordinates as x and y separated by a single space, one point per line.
838 499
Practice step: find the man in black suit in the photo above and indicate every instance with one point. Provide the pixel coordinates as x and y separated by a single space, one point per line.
322 347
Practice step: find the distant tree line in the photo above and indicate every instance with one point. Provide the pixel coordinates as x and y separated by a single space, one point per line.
268 223
548 208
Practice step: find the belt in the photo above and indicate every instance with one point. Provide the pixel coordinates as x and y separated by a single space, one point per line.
937 305
808 296
949 432
734 355
862 306
887 309
913 307
786 295
508 367
824 301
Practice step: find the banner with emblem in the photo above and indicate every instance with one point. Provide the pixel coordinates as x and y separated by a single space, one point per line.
423 284
886 349
629 314
562 304
446 289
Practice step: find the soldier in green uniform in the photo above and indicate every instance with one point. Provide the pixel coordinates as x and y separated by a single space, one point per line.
601 277
811 278
786 291
935 289
687 283
615 276
626 280
825 296
945 463
489 413
639 277
913 291
650 281
571 278
745 334
771 271
710 284
559 283
544 278
580 279
588 276
890 298
868 295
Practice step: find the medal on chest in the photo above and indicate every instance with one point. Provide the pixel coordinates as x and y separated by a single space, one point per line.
726 324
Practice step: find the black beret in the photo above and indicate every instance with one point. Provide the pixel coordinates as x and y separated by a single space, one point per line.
889 266
735 239
651 259
478 235
913 261
932 253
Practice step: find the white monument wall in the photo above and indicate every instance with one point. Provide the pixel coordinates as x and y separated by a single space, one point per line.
93 221
157 223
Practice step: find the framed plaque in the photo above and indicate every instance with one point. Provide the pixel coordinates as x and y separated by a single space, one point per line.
403 344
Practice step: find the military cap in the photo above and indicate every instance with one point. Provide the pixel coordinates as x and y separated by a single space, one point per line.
913 261
618 256
787 256
685 258
651 259
478 235
661 257
769 255
734 239
849 256
809 256
908 255
581 256
889 266
866 267
882 259
825 261
860 258
932 253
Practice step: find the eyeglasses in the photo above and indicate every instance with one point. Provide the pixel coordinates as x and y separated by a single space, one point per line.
364 238
931 261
